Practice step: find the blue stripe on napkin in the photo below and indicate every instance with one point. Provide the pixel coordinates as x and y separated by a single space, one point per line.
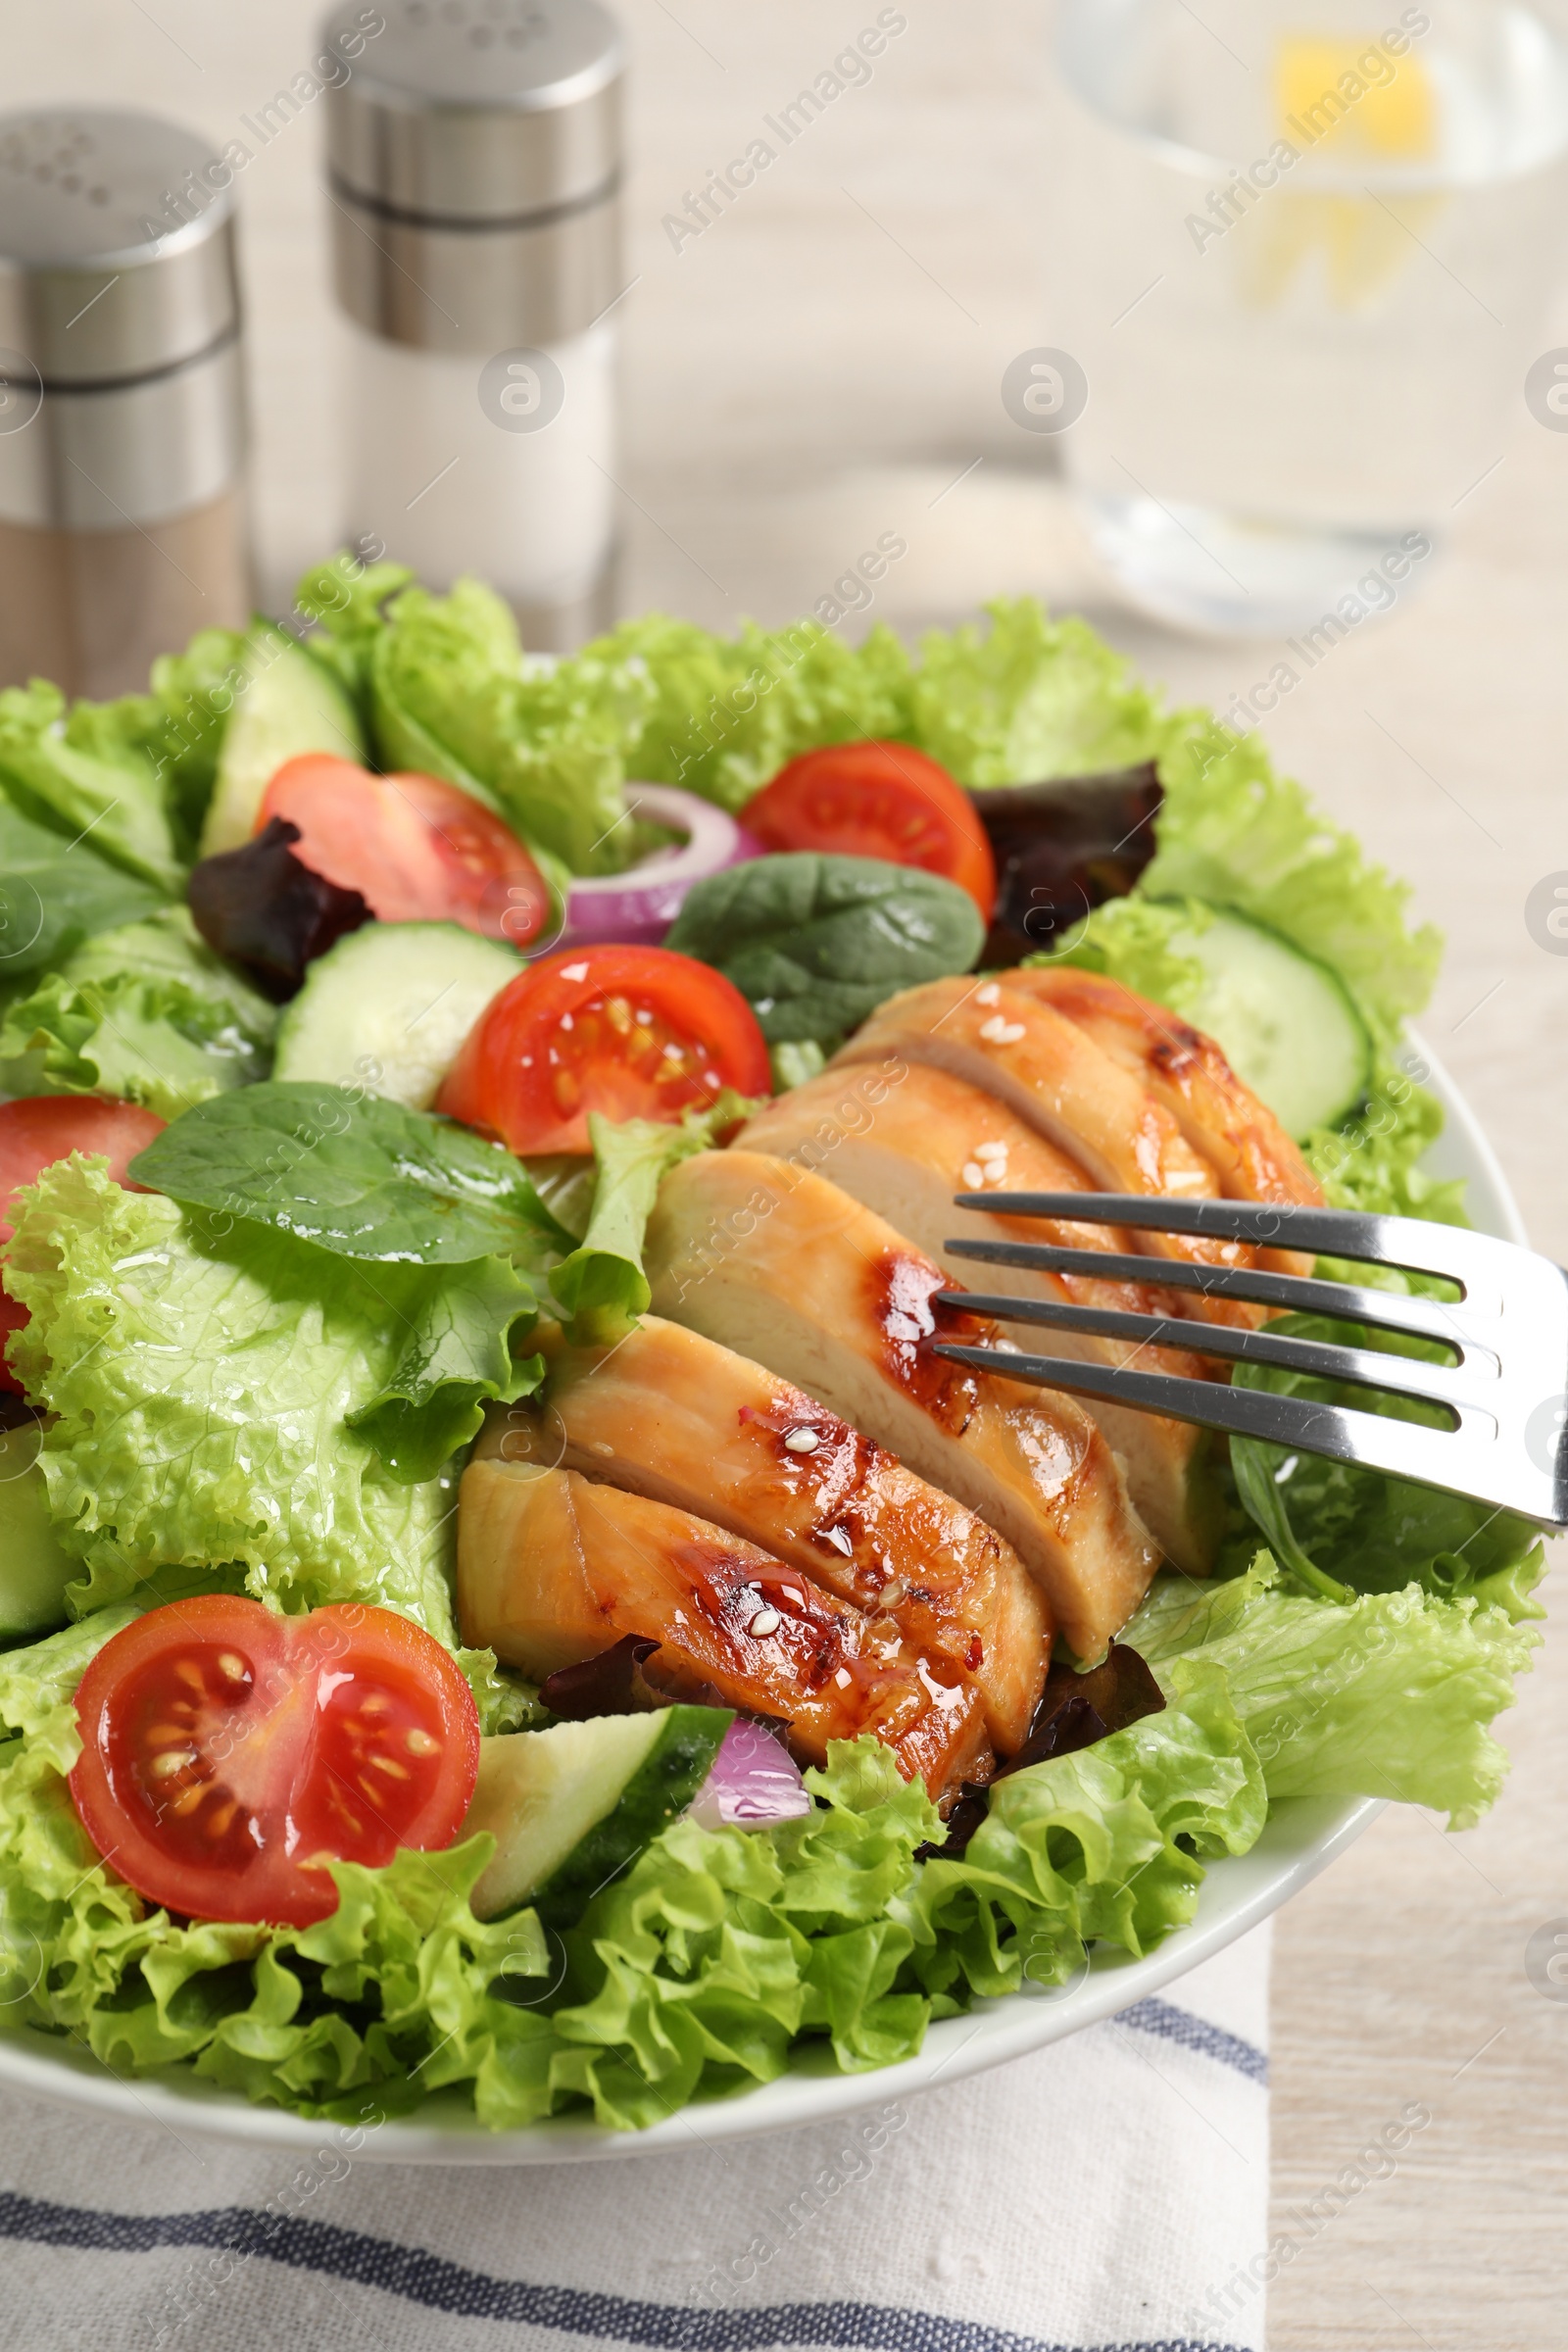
1196 2034
441 2285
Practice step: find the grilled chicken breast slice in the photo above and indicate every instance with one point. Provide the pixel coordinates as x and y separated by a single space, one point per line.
674 1416
552 1568
1060 1082
931 1135
784 1267
1251 1155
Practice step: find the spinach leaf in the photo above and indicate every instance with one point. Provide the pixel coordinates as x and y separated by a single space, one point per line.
363 1178
1341 1530
53 894
817 942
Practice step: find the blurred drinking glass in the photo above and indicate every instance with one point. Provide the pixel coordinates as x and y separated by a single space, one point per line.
1305 254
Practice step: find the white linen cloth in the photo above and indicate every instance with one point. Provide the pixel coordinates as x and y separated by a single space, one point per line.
1110 2192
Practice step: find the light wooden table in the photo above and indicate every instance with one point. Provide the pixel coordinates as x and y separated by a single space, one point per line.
821 367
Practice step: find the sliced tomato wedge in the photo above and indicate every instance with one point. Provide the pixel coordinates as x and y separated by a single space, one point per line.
228 1754
636 1033
40 1129
877 799
415 848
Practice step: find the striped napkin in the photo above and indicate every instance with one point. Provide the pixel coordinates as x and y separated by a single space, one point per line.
1107 2192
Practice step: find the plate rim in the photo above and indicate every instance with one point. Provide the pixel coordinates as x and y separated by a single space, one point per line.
1303 1837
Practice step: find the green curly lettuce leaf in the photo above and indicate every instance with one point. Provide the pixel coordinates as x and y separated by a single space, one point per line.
1233 832
146 1013
725 714
202 1385
1371 1160
1028 698
1107 1843
55 894
176 727
545 747
1388 1694
600 1287
112 790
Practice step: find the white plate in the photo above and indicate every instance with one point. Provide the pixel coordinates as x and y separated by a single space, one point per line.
1303 1836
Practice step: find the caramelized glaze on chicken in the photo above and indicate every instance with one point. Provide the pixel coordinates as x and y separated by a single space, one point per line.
1057 1079
1251 1155
553 1569
672 1415
785 1268
929 1136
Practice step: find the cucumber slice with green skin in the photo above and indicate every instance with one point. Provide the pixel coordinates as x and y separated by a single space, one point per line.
35 1569
1286 1023
571 1807
290 705
388 1008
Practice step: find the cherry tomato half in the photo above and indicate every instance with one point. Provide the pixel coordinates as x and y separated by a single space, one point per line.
877 799
40 1129
636 1033
230 1753
415 848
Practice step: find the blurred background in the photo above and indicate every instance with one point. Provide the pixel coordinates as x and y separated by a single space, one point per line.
825 361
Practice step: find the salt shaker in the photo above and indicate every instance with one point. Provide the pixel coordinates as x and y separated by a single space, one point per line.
475 173
123 527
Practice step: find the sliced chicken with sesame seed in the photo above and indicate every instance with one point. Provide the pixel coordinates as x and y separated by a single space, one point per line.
929 1136
1223 1120
786 1268
1057 1079
553 1569
672 1415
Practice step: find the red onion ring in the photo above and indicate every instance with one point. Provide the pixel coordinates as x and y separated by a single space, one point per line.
754 1783
638 906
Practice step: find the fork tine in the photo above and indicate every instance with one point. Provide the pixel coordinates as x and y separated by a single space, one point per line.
1325 1232
1346 1302
1401 1375
1429 1458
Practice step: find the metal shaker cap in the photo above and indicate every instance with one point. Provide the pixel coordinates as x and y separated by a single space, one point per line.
116 247
474 114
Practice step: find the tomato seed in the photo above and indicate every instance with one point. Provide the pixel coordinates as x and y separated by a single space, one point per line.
420 1743
399 1772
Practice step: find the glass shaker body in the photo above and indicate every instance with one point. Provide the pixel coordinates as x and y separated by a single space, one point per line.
122 509
474 156
504 469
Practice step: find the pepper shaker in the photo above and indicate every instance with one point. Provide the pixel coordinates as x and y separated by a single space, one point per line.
474 173
123 525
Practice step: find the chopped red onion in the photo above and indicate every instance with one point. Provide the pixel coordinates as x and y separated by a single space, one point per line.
754 1783
639 906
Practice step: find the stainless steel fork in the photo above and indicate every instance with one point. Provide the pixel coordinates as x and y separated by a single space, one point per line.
1507 1334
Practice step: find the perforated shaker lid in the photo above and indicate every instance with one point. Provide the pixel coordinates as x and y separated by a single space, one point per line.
116 245
477 113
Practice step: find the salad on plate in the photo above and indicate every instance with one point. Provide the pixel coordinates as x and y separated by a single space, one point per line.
501 1602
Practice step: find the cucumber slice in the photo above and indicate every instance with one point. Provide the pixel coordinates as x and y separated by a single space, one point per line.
571 1807
389 1007
290 705
1286 1023
35 1569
